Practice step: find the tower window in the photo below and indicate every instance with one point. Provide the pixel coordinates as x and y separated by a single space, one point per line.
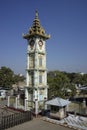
40 78
40 61
31 79
31 61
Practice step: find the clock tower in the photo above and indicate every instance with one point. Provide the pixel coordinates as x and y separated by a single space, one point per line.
36 73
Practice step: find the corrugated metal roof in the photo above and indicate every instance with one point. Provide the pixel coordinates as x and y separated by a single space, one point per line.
83 88
58 102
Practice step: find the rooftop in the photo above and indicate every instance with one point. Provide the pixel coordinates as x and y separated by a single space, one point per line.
58 102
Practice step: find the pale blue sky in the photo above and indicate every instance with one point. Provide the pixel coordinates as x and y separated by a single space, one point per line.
64 20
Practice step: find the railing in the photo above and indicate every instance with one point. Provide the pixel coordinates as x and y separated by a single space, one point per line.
15 119
15 102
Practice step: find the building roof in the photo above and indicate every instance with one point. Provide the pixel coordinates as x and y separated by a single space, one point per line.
83 88
58 102
36 29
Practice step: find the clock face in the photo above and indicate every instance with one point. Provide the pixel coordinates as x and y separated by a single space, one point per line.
40 43
32 43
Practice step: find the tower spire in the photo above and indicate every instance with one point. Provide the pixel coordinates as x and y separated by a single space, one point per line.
36 14
36 29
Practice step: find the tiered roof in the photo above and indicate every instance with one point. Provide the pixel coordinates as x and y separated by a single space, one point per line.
36 29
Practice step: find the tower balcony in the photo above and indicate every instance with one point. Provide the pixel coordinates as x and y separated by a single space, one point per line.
30 52
32 86
42 69
36 68
36 51
43 86
42 52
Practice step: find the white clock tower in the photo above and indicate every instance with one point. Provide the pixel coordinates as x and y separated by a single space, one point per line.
36 72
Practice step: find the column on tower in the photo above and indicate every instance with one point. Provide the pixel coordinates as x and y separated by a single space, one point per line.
27 72
36 69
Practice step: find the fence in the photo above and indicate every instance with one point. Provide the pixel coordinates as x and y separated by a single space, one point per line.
16 102
15 119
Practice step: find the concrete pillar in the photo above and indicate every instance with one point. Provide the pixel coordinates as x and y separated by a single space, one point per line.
25 105
16 102
27 78
84 103
8 103
36 107
45 105
26 93
84 106
18 99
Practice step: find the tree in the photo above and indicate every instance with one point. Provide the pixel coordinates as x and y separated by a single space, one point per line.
6 77
18 78
59 84
84 79
77 78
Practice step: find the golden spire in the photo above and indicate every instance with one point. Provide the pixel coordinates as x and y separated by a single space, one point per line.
36 29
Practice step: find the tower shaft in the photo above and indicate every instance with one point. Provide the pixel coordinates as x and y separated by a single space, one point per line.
36 72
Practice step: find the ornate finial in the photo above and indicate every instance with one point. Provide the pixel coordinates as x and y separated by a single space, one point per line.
36 14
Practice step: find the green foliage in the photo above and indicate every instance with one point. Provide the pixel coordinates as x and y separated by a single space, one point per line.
18 78
7 77
78 78
60 84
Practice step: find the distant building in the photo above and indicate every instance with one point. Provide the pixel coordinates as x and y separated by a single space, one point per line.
81 73
2 93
